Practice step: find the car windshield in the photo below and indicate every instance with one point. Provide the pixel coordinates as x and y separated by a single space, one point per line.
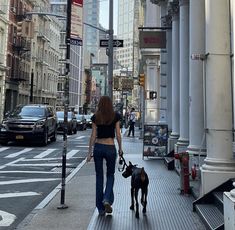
60 114
28 112
88 117
79 117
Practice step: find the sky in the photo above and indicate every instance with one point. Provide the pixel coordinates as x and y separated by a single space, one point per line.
104 14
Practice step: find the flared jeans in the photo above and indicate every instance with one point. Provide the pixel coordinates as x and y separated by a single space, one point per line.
109 154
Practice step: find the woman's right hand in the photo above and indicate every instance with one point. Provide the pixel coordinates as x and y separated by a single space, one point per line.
120 152
89 157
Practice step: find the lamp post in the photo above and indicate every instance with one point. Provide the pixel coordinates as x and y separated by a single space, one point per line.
110 51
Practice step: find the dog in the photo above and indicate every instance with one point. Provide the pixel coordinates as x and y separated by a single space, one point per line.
139 180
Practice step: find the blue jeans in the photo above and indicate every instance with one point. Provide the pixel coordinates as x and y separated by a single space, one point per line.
109 153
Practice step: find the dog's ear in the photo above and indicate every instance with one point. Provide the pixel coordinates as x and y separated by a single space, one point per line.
130 163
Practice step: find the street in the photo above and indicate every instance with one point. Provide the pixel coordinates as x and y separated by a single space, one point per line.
29 173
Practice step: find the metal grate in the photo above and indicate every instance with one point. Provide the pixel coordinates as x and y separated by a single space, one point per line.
166 208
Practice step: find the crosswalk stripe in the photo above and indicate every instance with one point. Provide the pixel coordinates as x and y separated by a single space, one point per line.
27 181
71 153
43 165
3 149
77 138
30 172
19 153
45 153
18 194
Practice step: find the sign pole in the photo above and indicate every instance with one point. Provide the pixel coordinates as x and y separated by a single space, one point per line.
66 104
110 51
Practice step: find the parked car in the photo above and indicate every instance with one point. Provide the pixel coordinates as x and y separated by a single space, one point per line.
81 121
35 123
72 122
88 120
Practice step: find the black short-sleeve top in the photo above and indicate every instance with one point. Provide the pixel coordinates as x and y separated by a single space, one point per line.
106 131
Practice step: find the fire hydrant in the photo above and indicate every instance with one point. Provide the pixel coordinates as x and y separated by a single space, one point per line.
184 171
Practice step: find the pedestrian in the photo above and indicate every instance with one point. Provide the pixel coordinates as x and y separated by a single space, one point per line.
105 126
132 119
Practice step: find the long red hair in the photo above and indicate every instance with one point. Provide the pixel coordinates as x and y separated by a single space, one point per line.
105 113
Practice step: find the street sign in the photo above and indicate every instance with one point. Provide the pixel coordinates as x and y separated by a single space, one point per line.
116 43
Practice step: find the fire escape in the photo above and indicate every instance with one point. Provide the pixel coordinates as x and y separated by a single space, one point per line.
20 48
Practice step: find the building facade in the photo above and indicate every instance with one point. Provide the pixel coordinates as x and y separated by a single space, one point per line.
4 22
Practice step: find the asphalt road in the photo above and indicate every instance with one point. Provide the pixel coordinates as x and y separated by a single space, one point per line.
28 173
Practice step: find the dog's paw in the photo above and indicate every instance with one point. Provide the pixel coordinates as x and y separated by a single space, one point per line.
137 215
132 207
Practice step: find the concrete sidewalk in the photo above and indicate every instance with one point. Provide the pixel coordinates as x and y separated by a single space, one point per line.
166 209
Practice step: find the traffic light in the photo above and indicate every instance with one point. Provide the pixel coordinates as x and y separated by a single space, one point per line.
19 29
153 95
142 79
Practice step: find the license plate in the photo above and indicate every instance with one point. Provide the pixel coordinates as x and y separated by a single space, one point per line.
19 137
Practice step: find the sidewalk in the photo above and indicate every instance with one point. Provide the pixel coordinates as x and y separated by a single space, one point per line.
166 209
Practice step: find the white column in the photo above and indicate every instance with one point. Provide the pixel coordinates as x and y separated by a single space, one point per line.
169 79
219 164
152 84
175 80
163 74
175 77
196 148
183 140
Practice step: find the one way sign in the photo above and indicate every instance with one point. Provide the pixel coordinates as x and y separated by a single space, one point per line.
116 43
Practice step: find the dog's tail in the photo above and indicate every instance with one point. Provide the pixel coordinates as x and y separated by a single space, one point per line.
142 175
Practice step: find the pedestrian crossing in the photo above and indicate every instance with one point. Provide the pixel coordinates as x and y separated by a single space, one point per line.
33 171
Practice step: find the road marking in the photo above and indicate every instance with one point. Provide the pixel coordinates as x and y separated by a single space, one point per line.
18 194
18 171
77 138
27 181
72 153
11 163
83 146
7 218
19 153
46 164
45 153
3 149
51 195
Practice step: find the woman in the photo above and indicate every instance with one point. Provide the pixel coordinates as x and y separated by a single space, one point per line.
105 123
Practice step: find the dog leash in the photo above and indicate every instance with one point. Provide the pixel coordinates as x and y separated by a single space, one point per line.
122 163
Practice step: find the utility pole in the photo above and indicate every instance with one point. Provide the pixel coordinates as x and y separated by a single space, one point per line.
110 51
66 104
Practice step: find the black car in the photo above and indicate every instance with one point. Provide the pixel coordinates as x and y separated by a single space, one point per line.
88 120
72 122
81 121
35 123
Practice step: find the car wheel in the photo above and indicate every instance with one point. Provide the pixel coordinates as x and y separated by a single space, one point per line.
3 143
54 137
45 138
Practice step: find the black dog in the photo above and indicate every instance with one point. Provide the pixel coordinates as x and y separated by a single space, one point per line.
139 180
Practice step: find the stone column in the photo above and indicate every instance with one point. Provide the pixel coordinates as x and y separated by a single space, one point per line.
152 84
183 140
219 164
163 74
169 78
175 79
196 148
